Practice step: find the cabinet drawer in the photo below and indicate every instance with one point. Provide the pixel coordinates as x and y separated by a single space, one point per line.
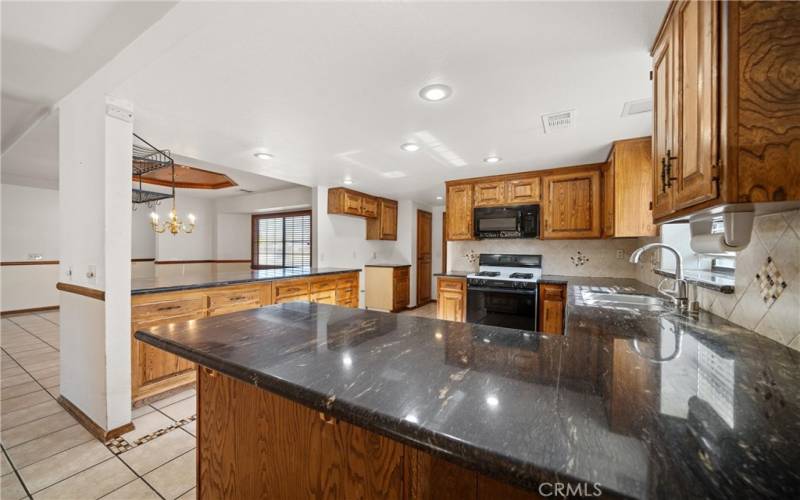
401 273
233 298
352 302
552 292
293 298
233 308
451 284
167 309
348 281
289 288
323 284
325 297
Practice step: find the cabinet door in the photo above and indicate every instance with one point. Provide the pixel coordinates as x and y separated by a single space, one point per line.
450 305
521 191
369 207
489 193
572 205
151 364
401 290
459 212
352 203
608 198
697 26
551 308
388 218
663 122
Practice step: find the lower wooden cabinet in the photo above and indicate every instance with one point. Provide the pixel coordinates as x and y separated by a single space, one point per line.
251 441
154 371
451 298
387 288
552 301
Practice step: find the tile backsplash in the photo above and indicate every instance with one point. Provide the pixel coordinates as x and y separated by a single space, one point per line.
767 289
566 257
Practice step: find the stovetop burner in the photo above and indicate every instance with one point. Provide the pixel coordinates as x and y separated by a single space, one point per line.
488 274
521 276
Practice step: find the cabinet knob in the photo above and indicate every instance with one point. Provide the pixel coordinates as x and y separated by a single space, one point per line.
328 420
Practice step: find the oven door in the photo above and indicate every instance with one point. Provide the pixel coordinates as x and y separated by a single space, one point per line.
502 307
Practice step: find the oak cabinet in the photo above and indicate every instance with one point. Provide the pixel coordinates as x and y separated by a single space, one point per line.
523 191
459 212
384 226
571 205
451 298
552 302
627 195
343 201
387 287
726 125
489 193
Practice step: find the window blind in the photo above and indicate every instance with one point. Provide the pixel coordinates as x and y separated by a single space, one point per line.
282 240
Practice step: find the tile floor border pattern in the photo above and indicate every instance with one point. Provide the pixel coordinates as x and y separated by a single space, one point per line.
116 454
121 445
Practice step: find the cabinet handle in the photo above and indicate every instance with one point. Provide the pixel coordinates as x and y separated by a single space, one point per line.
668 169
240 297
209 372
326 419
168 308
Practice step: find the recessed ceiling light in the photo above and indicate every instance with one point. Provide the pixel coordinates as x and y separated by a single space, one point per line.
347 182
410 147
263 156
394 174
492 159
439 198
435 92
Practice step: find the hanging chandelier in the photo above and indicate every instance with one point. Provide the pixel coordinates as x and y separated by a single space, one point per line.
173 224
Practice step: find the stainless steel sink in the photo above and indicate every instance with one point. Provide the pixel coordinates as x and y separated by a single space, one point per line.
625 300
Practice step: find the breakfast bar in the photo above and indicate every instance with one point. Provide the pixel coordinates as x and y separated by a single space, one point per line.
309 400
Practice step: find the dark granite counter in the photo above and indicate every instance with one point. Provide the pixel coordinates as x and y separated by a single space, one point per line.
387 265
648 404
204 280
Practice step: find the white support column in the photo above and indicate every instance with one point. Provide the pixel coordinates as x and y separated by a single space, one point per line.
95 144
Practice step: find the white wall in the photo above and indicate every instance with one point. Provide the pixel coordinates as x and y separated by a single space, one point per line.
29 226
233 236
143 238
274 201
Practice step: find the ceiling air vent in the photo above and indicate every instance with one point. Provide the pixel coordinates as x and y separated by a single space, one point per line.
637 107
245 190
556 121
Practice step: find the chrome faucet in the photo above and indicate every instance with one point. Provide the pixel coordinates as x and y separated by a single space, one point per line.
678 293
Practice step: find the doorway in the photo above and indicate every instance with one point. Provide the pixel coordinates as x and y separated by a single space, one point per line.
424 269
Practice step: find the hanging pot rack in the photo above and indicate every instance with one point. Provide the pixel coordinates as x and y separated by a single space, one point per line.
147 158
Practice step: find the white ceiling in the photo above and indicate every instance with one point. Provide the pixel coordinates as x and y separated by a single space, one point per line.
331 88
49 48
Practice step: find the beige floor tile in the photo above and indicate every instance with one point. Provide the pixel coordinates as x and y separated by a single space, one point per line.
174 398
147 424
176 477
191 427
136 490
142 410
5 465
49 382
15 380
189 495
35 412
32 367
62 465
150 455
11 488
94 482
41 352
25 401
54 391
42 361
181 409
36 429
26 347
19 390
49 445
45 372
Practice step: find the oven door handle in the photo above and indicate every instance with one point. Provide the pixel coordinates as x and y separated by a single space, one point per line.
519 291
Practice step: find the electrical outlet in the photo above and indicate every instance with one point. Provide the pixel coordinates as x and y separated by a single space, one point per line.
620 254
374 255
91 273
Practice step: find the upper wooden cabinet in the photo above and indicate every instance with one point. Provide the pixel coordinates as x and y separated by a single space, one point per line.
627 193
384 226
571 204
524 191
345 201
459 212
490 193
726 123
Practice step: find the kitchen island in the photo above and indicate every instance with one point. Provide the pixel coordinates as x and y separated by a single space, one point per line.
157 300
301 399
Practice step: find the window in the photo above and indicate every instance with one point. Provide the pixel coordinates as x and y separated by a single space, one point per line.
281 240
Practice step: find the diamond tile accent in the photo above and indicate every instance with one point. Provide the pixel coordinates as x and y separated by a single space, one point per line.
770 282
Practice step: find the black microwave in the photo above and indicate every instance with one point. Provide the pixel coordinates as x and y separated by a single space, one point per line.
507 222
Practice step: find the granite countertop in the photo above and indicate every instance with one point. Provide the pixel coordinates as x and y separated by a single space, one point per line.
210 279
647 404
380 264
